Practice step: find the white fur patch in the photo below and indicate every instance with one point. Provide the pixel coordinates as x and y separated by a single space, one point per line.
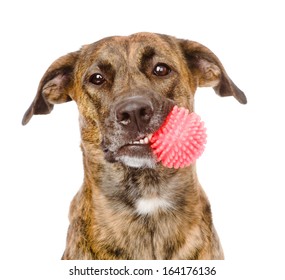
146 206
137 162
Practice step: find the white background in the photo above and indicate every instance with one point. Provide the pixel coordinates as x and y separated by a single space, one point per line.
242 169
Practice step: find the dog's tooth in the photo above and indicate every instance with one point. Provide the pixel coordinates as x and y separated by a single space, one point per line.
142 141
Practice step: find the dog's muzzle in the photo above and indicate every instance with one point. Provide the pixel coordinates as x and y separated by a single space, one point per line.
133 120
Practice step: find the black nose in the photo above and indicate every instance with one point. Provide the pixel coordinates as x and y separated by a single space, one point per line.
134 112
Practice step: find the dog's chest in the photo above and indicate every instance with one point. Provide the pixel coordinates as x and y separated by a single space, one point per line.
148 230
143 218
150 206
151 235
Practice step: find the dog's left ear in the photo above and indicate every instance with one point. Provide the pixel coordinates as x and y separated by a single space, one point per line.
209 71
55 86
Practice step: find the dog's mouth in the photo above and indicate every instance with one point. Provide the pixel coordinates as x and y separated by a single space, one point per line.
137 153
142 140
134 153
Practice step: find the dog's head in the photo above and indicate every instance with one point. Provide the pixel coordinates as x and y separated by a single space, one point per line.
125 87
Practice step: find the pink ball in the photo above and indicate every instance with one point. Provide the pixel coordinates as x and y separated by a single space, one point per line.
180 140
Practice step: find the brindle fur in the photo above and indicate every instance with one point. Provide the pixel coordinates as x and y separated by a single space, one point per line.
104 221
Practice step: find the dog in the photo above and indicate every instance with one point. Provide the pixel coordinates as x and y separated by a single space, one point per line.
130 206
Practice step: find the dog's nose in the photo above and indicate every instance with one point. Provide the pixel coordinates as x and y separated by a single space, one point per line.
134 111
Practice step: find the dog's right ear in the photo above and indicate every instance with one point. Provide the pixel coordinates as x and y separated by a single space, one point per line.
55 86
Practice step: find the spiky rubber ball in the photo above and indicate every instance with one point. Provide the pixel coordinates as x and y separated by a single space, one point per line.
180 140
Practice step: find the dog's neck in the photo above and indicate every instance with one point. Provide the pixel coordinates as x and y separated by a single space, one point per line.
142 189
139 205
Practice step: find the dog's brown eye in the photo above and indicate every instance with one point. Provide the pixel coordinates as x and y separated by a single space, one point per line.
97 79
161 69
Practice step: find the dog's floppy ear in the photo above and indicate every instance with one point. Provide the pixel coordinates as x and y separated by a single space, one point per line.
209 71
54 87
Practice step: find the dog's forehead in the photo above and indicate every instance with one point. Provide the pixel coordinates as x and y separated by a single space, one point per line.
130 47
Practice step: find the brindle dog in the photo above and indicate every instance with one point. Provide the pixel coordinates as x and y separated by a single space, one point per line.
129 206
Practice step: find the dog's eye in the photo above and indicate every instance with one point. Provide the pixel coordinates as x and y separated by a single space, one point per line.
161 69
97 79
